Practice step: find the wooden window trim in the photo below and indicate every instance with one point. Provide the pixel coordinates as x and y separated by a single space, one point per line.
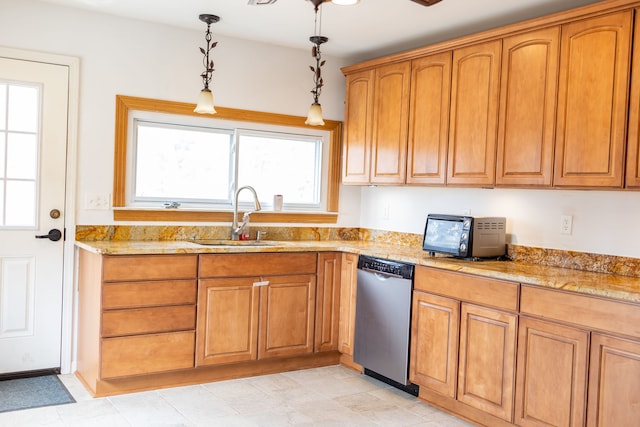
121 212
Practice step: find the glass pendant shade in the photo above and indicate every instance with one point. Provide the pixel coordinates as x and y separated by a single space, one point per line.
315 115
205 102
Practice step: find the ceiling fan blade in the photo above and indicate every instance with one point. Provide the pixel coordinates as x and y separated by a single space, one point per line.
427 2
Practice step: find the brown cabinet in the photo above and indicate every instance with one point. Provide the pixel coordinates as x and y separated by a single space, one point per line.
390 119
475 91
462 350
551 380
328 301
244 316
614 384
227 320
633 141
356 154
486 369
592 101
429 119
348 289
434 343
137 315
377 115
526 125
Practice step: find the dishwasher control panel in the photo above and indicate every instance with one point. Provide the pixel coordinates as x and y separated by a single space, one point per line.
385 266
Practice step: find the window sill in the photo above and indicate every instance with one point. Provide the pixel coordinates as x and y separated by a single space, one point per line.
186 215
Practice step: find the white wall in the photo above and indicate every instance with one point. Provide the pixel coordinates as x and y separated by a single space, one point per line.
604 222
136 58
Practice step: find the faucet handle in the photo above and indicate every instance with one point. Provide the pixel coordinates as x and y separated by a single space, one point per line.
260 234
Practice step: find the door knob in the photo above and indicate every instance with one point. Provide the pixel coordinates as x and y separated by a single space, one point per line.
54 235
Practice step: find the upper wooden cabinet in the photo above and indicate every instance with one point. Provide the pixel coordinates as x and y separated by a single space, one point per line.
474 114
633 141
592 101
377 114
528 108
390 119
356 154
429 119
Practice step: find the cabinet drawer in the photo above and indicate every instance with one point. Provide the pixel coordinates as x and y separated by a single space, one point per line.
148 294
591 312
148 320
147 354
270 264
478 290
149 267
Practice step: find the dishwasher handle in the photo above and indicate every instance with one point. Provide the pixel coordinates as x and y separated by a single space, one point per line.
382 275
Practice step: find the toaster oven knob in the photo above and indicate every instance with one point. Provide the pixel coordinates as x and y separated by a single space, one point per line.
464 237
463 247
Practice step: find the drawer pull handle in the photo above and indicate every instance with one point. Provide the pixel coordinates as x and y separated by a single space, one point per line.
262 283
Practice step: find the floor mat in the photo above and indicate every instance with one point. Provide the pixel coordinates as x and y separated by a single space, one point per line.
33 392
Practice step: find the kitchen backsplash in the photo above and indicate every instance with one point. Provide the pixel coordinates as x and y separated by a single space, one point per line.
608 264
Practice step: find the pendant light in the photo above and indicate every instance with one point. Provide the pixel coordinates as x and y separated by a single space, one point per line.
205 99
314 117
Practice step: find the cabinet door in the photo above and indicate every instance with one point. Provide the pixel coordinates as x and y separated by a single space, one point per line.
287 313
592 102
551 384
487 360
475 85
358 115
429 119
390 121
227 320
348 289
528 108
328 301
633 142
434 343
614 382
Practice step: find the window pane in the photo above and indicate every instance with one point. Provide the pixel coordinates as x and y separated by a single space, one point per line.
3 106
21 203
22 156
182 163
280 165
23 108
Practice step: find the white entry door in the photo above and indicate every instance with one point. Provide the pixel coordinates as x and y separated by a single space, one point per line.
33 147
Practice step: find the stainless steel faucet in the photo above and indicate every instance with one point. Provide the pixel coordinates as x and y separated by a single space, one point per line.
235 230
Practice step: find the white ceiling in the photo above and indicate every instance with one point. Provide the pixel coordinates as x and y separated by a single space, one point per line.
367 30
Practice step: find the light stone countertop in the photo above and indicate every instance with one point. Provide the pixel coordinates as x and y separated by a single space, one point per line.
598 284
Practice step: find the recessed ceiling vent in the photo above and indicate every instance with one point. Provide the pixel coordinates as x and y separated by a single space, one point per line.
261 2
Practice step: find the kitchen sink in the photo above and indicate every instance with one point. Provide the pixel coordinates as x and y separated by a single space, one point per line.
218 242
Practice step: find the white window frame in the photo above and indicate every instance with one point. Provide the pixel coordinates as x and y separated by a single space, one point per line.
238 129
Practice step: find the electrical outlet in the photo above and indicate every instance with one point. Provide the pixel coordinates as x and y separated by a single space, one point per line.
385 212
566 224
97 201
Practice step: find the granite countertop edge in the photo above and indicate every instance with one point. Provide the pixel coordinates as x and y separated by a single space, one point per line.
596 284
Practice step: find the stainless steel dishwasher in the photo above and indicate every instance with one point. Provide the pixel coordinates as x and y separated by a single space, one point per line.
383 320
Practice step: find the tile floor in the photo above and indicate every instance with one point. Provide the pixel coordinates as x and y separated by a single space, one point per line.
329 396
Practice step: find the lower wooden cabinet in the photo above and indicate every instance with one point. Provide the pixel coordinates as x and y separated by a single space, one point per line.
287 313
328 301
551 382
614 382
227 320
462 350
348 289
434 343
258 316
147 354
487 360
